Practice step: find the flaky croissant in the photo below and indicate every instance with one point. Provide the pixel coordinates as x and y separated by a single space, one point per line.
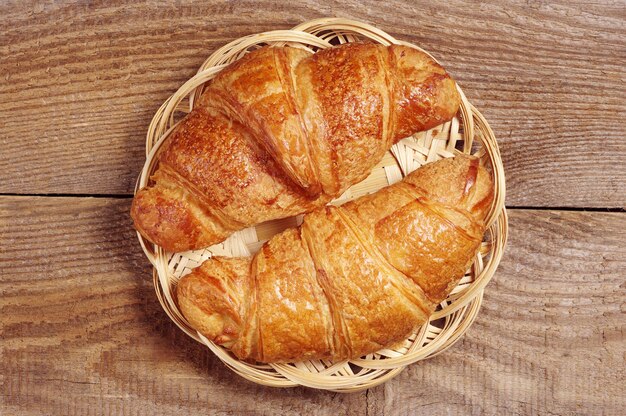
351 279
281 132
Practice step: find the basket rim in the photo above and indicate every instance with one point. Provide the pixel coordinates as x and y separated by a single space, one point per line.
289 375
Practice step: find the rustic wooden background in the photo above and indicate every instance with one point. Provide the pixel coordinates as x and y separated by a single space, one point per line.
81 330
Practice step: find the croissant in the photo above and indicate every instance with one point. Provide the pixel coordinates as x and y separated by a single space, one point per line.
351 279
283 131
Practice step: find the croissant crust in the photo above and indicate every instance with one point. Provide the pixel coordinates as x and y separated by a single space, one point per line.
351 279
281 132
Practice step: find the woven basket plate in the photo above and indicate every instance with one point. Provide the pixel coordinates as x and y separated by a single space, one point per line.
468 132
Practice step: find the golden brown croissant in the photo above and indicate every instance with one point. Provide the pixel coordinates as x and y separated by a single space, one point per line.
351 279
281 132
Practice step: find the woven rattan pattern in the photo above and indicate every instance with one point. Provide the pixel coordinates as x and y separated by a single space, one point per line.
468 132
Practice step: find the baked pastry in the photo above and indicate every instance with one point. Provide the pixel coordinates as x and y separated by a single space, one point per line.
351 279
283 131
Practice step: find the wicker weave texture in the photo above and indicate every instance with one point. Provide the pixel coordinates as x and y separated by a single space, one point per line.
468 132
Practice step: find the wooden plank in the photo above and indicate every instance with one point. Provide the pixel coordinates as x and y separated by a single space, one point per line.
551 335
81 82
83 333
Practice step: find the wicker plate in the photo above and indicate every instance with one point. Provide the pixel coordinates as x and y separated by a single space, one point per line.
468 132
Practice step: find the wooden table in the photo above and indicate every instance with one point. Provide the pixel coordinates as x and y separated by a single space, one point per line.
82 331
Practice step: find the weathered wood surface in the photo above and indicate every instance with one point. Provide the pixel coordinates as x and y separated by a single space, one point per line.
81 80
551 335
82 331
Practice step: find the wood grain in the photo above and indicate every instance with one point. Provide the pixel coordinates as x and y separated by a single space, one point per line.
82 331
550 337
82 80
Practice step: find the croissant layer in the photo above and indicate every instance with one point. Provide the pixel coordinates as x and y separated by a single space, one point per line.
283 131
350 280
